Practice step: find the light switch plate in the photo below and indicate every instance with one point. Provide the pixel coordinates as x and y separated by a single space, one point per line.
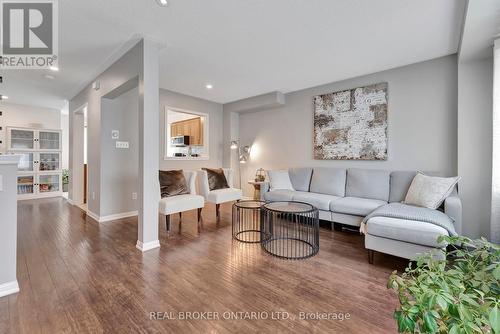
115 134
122 144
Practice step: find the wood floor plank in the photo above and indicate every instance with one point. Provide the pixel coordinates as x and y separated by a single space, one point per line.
79 276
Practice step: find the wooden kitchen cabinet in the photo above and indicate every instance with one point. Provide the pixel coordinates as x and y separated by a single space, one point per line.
191 127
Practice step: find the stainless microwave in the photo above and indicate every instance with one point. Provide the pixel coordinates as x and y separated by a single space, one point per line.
180 141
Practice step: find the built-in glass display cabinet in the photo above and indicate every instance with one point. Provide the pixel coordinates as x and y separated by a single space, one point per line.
40 168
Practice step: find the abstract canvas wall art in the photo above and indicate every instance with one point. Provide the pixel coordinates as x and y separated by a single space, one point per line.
351 124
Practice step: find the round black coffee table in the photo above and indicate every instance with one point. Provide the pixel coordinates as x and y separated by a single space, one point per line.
247 218
290 230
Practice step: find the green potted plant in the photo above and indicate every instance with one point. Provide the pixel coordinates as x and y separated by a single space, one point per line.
65 179
457 295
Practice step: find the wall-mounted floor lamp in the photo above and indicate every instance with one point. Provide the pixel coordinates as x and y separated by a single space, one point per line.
243 154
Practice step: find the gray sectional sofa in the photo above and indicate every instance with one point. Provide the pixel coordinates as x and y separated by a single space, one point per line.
347 196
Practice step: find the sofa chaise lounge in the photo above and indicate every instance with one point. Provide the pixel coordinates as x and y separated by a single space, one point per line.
347 196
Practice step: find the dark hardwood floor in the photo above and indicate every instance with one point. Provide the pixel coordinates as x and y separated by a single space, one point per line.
78 276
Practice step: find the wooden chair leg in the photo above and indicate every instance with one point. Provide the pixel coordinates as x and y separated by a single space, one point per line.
167 223
371 253
217 211
199 214
199 219
180 215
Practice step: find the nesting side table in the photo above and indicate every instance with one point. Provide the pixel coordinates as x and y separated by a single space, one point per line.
291 230
247 221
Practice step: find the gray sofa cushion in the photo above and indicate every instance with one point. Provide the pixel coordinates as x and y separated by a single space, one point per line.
355 205
320 201
368 183
411 231
329 181
400 183
301 178
278 195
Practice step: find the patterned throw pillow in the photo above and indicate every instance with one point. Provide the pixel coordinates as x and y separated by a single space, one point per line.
172 183
430 191
216 178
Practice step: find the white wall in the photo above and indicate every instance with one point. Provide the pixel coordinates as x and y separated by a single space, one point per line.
214 111
17 115
422 123
495 188
65 140
475 106
8 220
119 167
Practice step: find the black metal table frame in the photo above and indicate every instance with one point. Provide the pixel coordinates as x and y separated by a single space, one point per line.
267 231
237 222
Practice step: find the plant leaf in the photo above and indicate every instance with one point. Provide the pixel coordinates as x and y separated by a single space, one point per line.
454 329
496 272
494 318
442 302
430 323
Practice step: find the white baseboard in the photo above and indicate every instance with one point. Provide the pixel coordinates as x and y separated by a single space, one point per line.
9 288
93 215
70 201
144 247
118 216
102 219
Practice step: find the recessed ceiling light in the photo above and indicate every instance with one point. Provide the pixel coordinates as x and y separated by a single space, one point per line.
4 97
48 76
54 68
209 86
162 3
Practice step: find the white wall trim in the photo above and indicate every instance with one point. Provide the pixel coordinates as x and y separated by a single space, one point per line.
70 201
93 215
144 247
9 288
116 216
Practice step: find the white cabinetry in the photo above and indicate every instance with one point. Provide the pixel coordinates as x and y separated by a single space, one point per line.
39 169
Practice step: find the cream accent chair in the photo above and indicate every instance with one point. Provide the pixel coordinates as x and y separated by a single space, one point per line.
219 196
180 203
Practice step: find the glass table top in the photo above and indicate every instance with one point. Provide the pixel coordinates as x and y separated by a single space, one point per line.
289 207
249 204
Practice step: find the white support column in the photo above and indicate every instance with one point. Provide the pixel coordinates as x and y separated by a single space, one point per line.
495 190
149 118
8 224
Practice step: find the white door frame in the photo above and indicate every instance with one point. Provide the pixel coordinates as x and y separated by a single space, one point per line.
76 173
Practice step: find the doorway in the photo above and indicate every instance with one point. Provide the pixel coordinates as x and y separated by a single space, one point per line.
79 174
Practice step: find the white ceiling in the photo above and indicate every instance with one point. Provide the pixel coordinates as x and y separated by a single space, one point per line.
244 48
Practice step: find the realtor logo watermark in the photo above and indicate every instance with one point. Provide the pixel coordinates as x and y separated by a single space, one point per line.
29 34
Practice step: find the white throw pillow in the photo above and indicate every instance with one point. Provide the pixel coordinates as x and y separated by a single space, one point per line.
430 191
279 180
